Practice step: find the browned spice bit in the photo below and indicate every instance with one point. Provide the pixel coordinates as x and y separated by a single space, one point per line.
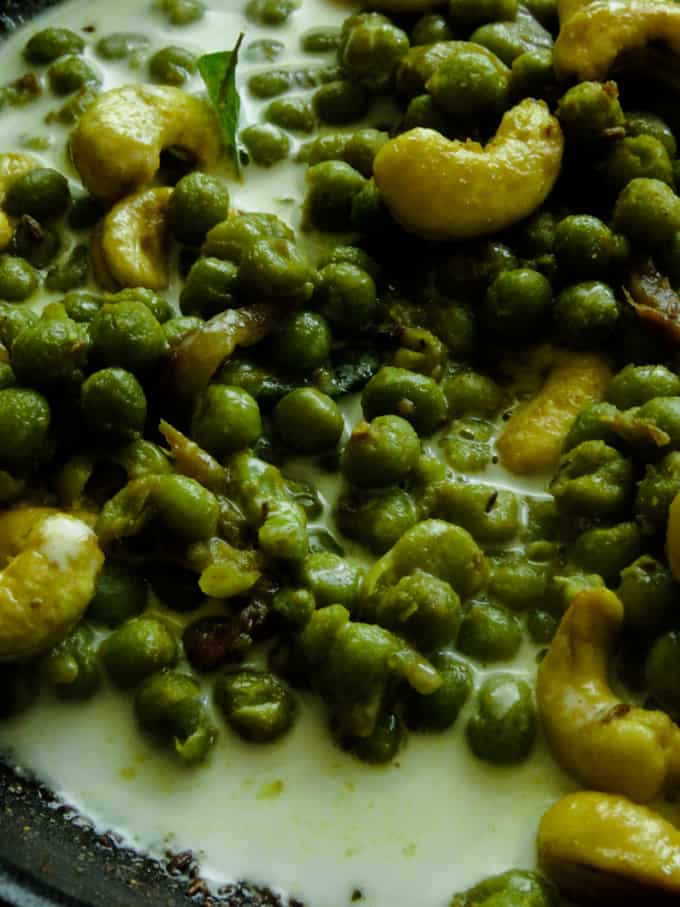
180 863
357 895
198 887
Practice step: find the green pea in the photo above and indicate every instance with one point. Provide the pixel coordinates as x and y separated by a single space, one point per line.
74 107
584 246
656 491
516 888
270 83
648 594
320 40
176 587
113 403
120 594
51 353
467 272
517 303
18 280
662 671
383 743
308 421
634 157
225 419
263 385
637 384
332 187
85 212
183 12
370 48
664 414
586 313
186 507
329 147
340 103
266 144
502 729
456 326
533 73
467 15
439 710
264 50
362 147
593 423
271 12
647 211
69 74
607 550
646 123
588 111
121 45
331 579
369 213
275 268
490 515
519 583
594 480
380 453
471 84
488 633
211 287
7 376
178 329
430 28
294 114
378 519
347 295
137 649
423 112
509 40
128 335
255 705
72 668
35 243
467 444
471 393
542 626
197 204
172 65
71 272
230 239
304 343
295 605
49 43
423 608
414 397
158 305
41 193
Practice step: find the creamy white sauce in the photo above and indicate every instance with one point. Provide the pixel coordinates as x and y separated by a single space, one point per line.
299 815
62 539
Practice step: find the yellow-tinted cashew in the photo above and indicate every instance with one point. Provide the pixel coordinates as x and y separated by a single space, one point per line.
449 190
606 743
12 166
117 144
129 247
52 561
533 437
594 35
605 849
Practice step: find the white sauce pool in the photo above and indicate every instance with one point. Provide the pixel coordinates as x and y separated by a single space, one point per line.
299 815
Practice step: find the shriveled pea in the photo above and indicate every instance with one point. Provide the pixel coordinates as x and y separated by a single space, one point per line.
72 668
255 705
137 649
18 279
332 187
331 579
491 515
71 272
172 65
271 12
423 608
607 550
211 286
276 269
295 114
113 403
121 45
378 518
183 12
340 102
49 43
70 74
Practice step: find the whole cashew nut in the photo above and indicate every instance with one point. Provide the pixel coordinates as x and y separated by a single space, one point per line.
117 144
593 35
52 561
450 190
129 246
607 744
605 849
12 166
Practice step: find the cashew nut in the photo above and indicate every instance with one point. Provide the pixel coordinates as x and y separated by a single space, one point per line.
532 439
12 166
129 246
606 849
117 144
449 190
594 35
606 743
52 561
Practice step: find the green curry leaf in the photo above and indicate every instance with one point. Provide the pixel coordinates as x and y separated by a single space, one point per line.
218 71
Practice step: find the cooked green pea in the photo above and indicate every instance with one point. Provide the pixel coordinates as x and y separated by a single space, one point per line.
331 579
264 50
440 709
49 43
186 507
270 83
332 186
664 414
120 593
488 633
471 393
593 479
72 667
320 40
509 40
7 376
276 269
329 147
295 605
177 329
37 244
414 397
183 12
648 594
468 14
656 491
517 304
662 671
533 74
646 123
423 112
370 47
211 287
128 335
586 313
362 147
113 403
593 423
516 888
18 280
584 246
137 649
158 305
255 705
606 551
121 45
491 515
69 74
197 204
471 84
340 102
380 452
230 239
71 272
503 727
347 294
266 144
271 12
423 608
467 445
225 419
41 193
74 107
637 384
467 272
378 519
637 156
588 110
647 211
52 353
304 343
308 421
430 28
13 320
382 744
172 65
140 458
519 583
85 212
262 384
542 626
295 114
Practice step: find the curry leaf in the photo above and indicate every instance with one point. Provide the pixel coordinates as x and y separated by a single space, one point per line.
218 71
